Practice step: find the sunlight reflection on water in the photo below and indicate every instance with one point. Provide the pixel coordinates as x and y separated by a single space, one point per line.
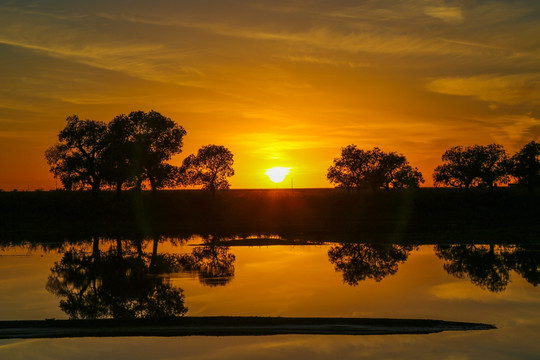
283 280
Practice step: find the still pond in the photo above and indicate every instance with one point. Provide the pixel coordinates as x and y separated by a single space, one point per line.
492 284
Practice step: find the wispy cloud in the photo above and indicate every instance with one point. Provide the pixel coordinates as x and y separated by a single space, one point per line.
65 37
506 89
352 37
479 45
515 130
325 61
295 78
265 142
450 14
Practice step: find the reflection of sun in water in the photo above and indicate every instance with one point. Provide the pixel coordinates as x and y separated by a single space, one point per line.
277 174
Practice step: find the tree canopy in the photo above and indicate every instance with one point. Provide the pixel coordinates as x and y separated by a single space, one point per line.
114 285
150 140
131 149
120 167
210 168
212 262
373 169
359 262
77 159
526 165
487 266
466 167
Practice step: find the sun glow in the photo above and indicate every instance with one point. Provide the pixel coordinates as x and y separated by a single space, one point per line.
277 174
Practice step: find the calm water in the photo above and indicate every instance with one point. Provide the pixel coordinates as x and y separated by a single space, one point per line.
476 283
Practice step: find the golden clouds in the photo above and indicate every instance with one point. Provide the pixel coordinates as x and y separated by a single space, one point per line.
514 130
505 89
445 13
288 80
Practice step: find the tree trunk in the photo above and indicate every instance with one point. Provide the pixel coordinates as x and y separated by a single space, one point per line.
95 188
138 184
95 248
154 254
153 184
138 244
118 189
119 253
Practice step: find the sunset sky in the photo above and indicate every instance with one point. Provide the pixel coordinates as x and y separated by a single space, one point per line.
280 83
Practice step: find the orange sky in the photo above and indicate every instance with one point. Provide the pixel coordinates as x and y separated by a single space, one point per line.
280 83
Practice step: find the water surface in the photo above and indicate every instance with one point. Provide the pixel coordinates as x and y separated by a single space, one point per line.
473 283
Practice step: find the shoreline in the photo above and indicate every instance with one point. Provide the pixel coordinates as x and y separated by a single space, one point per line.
228 326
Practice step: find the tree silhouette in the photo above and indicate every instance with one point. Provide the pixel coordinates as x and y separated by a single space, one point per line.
486 266
493 164
359 262
526 165
132 149
75 279
489 266
77 159
119 157
466 167
526 262
209 168
374 169
149 139
113 285
211 262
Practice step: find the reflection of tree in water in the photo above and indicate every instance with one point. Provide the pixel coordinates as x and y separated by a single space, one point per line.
526 262
113 284
486 266
359 262
212 262
489 266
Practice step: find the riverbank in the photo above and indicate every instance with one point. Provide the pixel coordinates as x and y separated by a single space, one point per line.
228 326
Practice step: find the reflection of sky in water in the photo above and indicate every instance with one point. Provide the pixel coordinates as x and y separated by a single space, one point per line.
297 281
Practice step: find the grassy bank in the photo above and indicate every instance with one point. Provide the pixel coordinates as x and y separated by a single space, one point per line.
424 215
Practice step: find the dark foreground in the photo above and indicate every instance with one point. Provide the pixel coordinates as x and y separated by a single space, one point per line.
228 326
427 215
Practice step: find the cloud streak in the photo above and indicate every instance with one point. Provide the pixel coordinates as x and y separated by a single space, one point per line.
505 89
299 79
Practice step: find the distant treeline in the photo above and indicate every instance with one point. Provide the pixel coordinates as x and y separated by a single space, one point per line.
133 150
463 167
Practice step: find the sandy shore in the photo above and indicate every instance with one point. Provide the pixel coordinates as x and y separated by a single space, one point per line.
227 326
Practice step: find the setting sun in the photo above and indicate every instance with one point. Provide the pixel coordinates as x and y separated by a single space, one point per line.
277 174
